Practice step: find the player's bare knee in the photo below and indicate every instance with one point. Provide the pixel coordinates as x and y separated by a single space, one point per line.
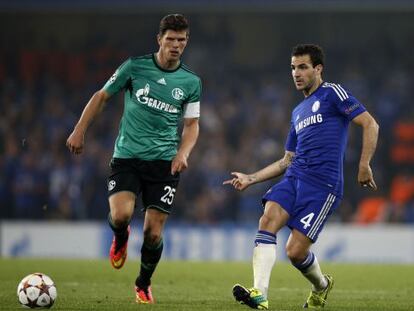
273 218
120 217
266 222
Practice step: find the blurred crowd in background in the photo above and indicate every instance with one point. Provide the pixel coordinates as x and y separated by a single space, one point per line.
47 75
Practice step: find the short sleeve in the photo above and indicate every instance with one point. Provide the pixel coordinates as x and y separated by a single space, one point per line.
291 140
120 79
350 108
346 104
195 95
192 104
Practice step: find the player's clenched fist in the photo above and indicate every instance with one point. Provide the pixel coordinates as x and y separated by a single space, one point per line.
75 141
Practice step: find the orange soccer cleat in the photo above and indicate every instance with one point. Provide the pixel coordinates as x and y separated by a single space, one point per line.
118 253
143 295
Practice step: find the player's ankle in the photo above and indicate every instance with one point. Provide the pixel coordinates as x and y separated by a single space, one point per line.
142 283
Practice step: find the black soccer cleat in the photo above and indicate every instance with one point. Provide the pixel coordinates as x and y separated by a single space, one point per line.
251 297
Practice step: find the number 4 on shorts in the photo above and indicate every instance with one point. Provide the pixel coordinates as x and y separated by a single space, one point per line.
307 220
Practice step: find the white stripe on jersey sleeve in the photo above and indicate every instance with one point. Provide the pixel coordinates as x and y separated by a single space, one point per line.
342 94
341 88
192 110
337 93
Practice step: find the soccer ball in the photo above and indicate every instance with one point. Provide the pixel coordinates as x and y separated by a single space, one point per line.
37 290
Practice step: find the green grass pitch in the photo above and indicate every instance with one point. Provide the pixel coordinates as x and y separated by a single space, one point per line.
199 286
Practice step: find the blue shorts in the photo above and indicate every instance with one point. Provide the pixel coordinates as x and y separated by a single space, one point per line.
308 206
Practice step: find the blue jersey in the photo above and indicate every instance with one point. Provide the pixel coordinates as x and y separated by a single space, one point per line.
318 136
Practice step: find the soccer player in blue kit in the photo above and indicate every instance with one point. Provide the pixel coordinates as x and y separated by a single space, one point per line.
312 186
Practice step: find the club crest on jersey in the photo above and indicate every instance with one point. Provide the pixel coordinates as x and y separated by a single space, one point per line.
143 97
177 93
315 106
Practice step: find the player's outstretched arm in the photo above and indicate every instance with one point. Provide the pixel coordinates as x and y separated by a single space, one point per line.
188 140
95 105
241 181
370 130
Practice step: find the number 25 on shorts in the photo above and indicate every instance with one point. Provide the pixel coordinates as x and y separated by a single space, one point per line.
168 197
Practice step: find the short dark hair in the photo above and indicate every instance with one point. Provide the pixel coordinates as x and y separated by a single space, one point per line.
314 51
176 22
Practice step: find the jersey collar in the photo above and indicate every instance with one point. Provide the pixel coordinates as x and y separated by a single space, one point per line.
154 59
317 89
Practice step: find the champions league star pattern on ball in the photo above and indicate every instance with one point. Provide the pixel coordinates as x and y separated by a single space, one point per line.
37 290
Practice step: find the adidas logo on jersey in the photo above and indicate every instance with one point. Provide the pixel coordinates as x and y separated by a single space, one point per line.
162 81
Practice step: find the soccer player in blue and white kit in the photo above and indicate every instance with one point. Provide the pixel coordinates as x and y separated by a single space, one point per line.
312 186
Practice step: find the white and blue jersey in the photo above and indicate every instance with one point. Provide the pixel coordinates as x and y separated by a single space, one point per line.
313 184
318 136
